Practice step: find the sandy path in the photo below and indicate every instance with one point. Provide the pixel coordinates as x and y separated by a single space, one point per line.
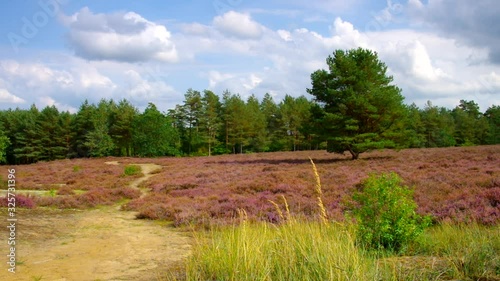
99 244
147 170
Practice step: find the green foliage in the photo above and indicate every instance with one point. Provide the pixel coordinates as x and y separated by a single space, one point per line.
153 134
98 141
210 121
131 170
357 105
439 126
235 123
52 132
4 144
256 125
121 119
23 136
192 112
81 126
355 109
292 251
472 249
299 250
53 193
270 110
386 213
492 116
294 113
470 125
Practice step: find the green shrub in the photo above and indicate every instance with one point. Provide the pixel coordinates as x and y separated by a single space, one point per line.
52 193
131 170
385 213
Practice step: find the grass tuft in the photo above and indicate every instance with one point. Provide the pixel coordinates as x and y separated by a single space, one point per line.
296 250
132 170
473 250
319 193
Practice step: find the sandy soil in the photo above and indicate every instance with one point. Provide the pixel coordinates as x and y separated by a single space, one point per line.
147 170
99 244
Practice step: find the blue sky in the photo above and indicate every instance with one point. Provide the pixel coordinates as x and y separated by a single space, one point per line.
61 52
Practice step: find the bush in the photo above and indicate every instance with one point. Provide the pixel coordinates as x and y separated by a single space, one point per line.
65 190
22 201
131 170
385 213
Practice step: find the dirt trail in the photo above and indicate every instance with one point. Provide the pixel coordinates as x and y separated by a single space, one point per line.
147 170
99 244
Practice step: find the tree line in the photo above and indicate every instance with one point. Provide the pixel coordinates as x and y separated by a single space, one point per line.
207 125
355 109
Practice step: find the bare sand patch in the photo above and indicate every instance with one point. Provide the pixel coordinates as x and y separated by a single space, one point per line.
99 244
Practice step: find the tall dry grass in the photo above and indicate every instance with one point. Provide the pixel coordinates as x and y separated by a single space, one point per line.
471 250
297 249
302 249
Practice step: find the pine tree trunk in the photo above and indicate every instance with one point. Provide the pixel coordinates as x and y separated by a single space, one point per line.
355 155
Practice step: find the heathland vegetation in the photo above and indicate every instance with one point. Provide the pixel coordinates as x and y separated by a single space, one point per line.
457 187
427 210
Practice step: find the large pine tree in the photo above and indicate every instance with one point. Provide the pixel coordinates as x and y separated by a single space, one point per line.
356 104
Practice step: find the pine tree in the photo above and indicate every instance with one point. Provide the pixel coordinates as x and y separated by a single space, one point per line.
235 122
120 130
210 120
26 148
257 125
439 126
356 103
294 113
81 126
153 134
50 135
98 141
470 125
492 116
4 143
192 112
271 114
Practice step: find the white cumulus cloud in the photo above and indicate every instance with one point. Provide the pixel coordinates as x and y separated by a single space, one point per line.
119 37
422 65
238 25
6 97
